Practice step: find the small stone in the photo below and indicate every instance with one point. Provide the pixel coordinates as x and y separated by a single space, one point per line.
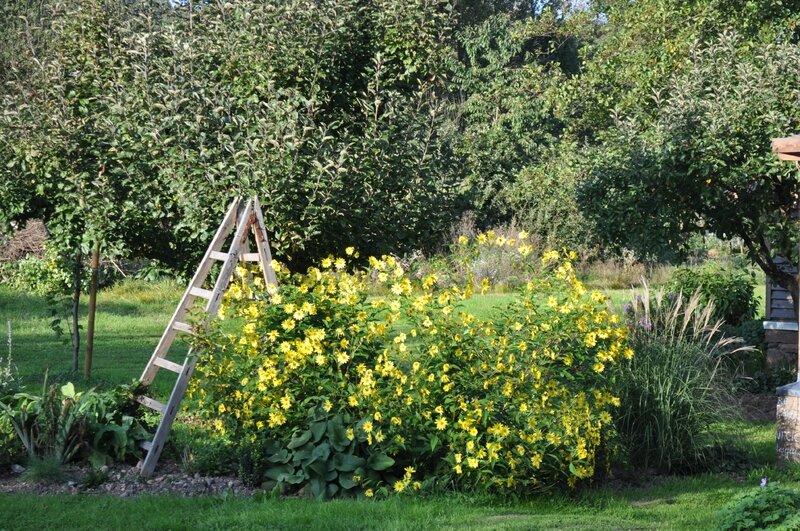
104 469
197 475
17 469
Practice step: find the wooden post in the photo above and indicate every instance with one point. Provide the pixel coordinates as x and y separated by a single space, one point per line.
77 278
87 369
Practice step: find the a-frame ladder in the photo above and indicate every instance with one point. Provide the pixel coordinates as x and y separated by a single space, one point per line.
242 216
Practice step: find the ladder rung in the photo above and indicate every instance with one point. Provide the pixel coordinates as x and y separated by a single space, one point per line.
146 445
183 327
250 257
169 365
152 404
200 292
216 255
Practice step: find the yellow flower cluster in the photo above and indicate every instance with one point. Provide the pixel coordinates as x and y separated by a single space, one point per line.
519 403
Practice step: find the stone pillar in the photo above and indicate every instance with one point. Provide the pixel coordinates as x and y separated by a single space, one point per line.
788 424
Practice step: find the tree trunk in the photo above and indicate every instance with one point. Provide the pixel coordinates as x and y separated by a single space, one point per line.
77 277
87 368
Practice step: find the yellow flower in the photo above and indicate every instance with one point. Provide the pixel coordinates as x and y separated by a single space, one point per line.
441 423
598 367
349 251
399 486
369 493
351 434
367 426
472 462
286 402
328 405
590 340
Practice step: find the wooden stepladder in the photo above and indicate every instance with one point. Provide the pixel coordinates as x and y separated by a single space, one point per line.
245 217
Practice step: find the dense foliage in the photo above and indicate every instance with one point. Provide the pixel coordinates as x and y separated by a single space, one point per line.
766 507
60 425
730 290
327 388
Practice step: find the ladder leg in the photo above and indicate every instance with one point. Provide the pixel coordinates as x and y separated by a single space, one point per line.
171 411
200 275
243 216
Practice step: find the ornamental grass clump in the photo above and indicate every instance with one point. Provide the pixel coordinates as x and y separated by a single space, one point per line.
675 389
330 392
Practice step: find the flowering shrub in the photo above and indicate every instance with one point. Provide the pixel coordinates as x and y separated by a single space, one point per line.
423 393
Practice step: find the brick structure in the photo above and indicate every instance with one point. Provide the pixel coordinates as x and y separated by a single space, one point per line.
780 326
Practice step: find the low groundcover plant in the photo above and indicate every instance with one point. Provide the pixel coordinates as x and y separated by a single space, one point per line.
326 389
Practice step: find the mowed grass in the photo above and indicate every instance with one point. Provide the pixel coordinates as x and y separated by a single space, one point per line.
131 317
669 503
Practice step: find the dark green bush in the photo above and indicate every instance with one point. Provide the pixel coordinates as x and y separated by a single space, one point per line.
767 507
731 290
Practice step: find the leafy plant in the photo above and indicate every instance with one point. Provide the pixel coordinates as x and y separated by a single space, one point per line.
675 388
60 423
731 290
320 458
761 508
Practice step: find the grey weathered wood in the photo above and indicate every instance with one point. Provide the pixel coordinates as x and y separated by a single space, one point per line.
202 293
164 363
186 300
262 242
151 403
243 217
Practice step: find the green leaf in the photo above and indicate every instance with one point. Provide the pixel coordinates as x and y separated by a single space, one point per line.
379 461
346 481
347 462
318 429
68 390
299 439
278 471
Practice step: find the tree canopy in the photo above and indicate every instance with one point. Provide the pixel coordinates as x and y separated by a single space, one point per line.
600 124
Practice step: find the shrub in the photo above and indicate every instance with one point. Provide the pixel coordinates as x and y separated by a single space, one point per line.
675 388
425 394
767 507
731 290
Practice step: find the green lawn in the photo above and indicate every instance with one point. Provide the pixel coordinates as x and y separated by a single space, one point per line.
671 503
130 320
